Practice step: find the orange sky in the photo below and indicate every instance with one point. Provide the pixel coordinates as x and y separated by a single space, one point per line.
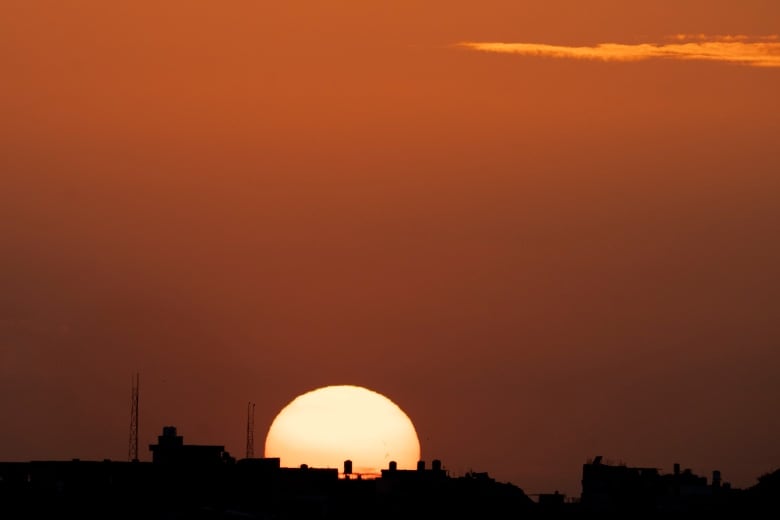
540 260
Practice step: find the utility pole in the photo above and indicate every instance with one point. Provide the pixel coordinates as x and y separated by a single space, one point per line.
132 450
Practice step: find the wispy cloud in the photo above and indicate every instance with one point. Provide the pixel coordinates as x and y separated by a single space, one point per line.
761 51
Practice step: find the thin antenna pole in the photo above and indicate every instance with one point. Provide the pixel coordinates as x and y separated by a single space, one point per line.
132 450
250 430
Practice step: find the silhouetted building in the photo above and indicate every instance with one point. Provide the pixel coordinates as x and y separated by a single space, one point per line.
618 487
625 489
170 449
551 501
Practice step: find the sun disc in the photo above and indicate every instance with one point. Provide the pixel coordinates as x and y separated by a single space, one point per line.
327 426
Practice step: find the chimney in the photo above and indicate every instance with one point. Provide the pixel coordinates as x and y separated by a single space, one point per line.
420 465
347 467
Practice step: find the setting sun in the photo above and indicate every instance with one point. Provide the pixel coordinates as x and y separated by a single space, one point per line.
325 427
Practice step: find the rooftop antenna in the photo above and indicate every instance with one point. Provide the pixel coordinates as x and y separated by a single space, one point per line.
132 450
250 430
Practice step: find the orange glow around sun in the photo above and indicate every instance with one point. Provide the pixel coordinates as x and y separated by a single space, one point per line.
325 427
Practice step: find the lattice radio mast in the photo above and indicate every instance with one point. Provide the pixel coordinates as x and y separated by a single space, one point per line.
132 450
250 430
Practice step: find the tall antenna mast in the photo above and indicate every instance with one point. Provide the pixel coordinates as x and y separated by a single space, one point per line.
132 450
250 430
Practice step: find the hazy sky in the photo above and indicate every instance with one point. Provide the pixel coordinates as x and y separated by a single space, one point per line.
540 258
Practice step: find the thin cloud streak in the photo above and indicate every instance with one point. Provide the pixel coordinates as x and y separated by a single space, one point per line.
761 52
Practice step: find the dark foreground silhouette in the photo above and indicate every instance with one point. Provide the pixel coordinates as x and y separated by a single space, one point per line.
204 482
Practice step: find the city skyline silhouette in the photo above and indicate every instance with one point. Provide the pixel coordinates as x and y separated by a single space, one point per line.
171 450
186 480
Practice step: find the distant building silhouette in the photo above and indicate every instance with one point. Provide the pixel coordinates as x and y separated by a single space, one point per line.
170 449
608 488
